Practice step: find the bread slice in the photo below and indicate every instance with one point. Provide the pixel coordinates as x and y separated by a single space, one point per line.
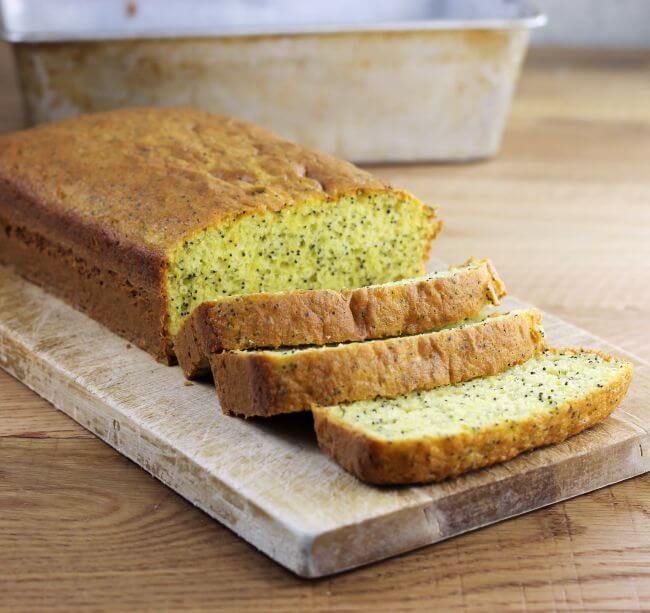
136 216
432 435
319 317
263 383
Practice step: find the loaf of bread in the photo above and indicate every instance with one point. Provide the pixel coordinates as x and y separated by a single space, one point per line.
263 383
320 317
137 216
432 435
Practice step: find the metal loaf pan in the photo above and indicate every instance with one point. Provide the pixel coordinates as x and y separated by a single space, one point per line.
388 81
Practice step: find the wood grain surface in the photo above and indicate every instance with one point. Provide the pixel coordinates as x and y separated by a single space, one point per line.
564 211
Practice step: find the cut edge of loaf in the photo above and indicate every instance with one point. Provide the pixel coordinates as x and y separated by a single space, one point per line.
270 382
319 317
435 458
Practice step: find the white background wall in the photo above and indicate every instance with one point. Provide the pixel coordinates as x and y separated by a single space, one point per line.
595 23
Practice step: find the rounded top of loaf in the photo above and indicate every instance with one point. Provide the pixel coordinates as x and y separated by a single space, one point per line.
155 176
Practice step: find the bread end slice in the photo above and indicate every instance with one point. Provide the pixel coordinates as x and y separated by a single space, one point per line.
487 438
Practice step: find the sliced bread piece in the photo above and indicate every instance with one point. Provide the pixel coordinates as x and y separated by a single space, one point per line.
432 435
319 317
269 382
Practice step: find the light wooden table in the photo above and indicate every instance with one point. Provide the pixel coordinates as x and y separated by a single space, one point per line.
565 214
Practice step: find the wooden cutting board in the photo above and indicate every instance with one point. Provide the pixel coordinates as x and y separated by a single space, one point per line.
267 480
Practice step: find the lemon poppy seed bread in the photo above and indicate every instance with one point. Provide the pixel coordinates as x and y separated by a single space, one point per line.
264 383
319 317
440 433
137 216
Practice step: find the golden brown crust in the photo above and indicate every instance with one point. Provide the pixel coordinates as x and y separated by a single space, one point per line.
117 191
320 317
263 383
133 311
434 459
180 169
